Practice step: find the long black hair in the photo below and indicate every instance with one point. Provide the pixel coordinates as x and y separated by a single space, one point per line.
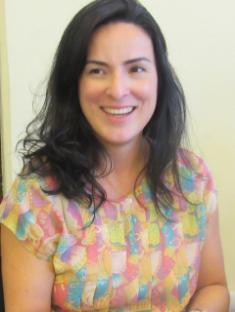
60 142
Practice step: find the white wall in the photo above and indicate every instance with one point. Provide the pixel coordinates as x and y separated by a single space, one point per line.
201 41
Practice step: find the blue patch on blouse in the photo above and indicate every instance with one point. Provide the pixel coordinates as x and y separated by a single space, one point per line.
101 288
143 291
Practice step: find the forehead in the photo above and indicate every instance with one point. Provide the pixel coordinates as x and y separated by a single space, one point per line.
120 38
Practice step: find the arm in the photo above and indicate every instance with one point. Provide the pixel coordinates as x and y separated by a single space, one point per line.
212 293
27 281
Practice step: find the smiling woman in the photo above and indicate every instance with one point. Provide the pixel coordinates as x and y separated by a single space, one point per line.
118 87
115 215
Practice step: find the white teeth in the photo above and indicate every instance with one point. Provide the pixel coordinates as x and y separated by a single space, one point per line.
118 111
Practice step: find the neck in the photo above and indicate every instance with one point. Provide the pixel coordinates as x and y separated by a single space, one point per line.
127 162
128 157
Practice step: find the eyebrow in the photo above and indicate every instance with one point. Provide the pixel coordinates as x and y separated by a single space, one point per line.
135 60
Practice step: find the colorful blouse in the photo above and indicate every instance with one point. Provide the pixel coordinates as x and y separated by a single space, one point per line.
131 258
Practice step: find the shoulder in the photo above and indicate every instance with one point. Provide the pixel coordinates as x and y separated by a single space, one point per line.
29 187
192 162
196 180
193 187
31 214
194 168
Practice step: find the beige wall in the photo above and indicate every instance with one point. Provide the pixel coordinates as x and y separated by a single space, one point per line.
201 41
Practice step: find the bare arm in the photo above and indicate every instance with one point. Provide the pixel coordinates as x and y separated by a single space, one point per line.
212 293
27 281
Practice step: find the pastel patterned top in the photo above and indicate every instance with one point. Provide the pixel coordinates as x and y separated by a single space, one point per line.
131 258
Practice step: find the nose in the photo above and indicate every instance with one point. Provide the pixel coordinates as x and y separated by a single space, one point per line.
118 86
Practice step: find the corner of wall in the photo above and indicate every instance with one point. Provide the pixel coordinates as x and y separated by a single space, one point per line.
5 120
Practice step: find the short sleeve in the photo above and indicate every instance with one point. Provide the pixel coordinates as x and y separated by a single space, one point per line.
209 191
27 211
201 180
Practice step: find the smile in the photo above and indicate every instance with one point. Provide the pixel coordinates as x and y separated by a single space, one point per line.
118 111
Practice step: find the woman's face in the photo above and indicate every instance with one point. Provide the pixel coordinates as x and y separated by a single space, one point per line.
118 87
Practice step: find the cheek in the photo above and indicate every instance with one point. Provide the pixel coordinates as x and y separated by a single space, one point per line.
89 93
148 91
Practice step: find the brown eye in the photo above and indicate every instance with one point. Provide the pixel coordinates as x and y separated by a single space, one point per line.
137 69
96 71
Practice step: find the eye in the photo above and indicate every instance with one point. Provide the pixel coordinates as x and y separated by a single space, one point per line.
96 71
137 69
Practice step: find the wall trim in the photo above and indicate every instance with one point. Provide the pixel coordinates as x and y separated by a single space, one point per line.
5 119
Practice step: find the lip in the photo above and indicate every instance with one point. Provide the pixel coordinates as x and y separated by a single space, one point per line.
117 106
118 117
118 110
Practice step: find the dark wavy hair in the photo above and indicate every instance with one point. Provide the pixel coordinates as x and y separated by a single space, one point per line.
60 142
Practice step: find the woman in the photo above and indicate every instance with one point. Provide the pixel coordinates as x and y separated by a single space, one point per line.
114 215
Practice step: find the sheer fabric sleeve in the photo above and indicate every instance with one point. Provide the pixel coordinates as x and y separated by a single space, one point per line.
28 212
210 194
209 191
203 185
